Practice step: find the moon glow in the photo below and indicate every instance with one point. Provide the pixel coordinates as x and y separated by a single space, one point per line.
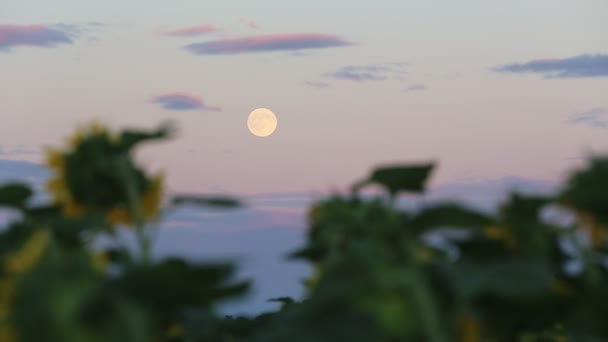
262 122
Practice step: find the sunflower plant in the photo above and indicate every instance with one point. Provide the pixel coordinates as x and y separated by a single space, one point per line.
56 284
441 272
446 272
96 173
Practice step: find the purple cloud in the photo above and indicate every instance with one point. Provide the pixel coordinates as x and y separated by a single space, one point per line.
372 72
572 67
191 31
267 43
33 35
596 117
182 101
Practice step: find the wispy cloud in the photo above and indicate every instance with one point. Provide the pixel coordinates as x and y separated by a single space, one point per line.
371 72
182 101
191 31
268 43
573 67
34 35
596 117
416 87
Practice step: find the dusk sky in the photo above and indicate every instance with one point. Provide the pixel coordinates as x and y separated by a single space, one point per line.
498 92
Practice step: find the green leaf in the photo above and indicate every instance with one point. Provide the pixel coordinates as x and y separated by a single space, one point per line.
524 207
311 253
448 215
282 300
207 201
520 215
514 278
587 189
109 316
46 212
14 195
50 297
174 284
73 231
130 138
68 230
203 326
410 178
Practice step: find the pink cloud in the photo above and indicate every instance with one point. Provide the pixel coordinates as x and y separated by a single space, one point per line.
191 31
182 101
268 43
252 24
31 35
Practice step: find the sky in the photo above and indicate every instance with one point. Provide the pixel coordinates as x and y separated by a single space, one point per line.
498 93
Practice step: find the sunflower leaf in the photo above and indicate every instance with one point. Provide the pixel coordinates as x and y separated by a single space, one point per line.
207 201
14 195
410 178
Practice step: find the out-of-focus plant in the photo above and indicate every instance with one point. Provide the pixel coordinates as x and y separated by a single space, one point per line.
97 174
443 272
55 285
449 273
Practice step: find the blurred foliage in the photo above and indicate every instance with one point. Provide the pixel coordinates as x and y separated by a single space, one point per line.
57 285
443 272
379 277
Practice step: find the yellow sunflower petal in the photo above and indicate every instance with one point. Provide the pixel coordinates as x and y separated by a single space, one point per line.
72 209
54 159
58 190
119 216
29 254
100 261
470 331
151 201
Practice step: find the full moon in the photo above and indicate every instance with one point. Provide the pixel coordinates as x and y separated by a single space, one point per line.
262 122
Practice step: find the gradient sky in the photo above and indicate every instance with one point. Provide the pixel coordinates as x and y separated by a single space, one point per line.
490 89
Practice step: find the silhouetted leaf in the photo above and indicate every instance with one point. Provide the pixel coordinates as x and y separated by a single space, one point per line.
283 300
130 138
587 190
410 178
14 195
207 201
312 253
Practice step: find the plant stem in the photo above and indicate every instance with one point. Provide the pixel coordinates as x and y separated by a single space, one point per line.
134 209
428 309
429 313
